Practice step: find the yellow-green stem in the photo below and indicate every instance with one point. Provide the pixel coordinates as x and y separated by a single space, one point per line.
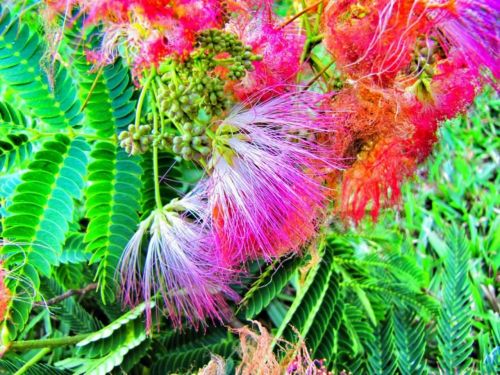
47 343
37 357
92 88
142 97
156 172
320 74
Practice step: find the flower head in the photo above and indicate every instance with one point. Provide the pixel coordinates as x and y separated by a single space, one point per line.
264 191
471 27
180 266
449 91
149 30
374 38
372 137
280 49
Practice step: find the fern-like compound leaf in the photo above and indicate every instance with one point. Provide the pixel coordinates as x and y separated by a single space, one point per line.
38 219
268 286
50 98
455 321
112 207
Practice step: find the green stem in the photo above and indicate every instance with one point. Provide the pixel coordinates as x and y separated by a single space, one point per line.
305 51
320 74
210 133
316 39
142 97
92 88
47 343
317 24
37 134
156 173
37 357
307 24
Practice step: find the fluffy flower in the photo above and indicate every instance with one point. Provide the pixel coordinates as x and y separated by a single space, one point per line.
375 179
448 92
374 37
280 49
470 26
150 30
373 136
264 192
386 134
180 266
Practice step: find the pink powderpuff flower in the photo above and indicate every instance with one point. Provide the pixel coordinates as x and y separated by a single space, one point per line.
280 49
375 179
470 26
265 192
198 15
180 266
149 30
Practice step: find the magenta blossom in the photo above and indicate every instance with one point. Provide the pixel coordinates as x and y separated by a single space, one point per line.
472 27
279 47
180 266
265 192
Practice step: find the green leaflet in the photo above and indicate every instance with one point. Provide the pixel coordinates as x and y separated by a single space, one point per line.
74 250
112 204
39 216
8 367
13 118
410 343
326 314
194 358
189 339
328 347
107 348
382 358
176 351
268 286
42 205
315 295
455 321
115 325
15 147
69 311
357 329
21 52
108 93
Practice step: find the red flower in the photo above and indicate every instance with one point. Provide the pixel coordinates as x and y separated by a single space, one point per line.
374 37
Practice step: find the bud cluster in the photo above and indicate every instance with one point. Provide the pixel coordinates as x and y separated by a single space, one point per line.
190 90
193 144
214 42
178 102
424 57
138 140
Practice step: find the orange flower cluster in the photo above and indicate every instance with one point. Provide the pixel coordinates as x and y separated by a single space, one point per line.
406 72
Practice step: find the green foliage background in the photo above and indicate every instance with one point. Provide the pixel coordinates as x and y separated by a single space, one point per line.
414 293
